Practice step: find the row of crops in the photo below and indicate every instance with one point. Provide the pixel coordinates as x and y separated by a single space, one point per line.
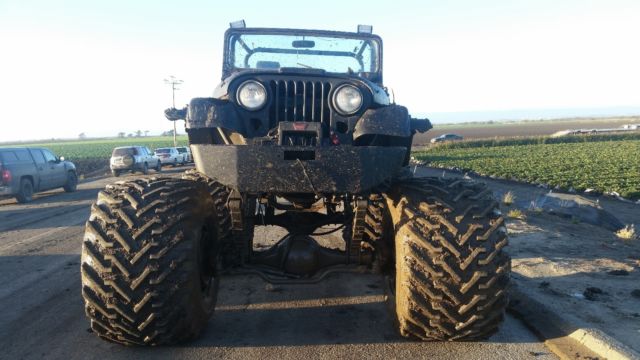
533 140
605 164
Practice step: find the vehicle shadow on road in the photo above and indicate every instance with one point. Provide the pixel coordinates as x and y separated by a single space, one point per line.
43 307
342 309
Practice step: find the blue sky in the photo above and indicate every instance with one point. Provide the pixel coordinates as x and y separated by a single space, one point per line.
97 67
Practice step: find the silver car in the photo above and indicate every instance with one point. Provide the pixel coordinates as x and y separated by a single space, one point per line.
186 151
446 138
170 156
133 158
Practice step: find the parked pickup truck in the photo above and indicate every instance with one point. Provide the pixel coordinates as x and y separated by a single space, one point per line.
25 171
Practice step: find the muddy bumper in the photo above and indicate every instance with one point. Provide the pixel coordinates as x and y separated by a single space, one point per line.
290 169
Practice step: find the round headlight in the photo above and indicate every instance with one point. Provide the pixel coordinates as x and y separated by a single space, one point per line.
251 95
347 99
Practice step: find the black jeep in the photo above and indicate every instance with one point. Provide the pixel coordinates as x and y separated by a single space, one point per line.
300 133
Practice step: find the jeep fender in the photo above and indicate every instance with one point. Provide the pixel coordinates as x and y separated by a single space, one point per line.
212 113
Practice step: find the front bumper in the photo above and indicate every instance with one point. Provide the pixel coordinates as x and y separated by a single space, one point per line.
296 169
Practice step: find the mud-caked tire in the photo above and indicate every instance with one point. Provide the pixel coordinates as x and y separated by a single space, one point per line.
220 195
451 271
378 234
148 263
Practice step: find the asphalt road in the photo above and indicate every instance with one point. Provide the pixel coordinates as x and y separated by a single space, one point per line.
42 316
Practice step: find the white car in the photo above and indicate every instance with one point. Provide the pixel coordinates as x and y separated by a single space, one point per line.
171 156
133 158
186 151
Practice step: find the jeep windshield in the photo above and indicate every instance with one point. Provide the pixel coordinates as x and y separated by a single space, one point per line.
332 52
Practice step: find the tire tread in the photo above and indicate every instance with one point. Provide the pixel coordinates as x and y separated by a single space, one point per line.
452 270
137 249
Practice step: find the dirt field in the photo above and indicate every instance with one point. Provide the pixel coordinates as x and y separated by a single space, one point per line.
343 317
540 128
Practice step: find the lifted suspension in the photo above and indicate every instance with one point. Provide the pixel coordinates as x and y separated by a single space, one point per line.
298 257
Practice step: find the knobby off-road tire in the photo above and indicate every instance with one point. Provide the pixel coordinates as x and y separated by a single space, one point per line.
235 243
228 239
451 272
220 195
148 261
378 233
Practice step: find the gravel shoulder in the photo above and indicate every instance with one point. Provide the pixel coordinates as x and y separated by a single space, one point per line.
344 316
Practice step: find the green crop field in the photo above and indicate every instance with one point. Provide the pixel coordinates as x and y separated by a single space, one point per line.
100 148
601 163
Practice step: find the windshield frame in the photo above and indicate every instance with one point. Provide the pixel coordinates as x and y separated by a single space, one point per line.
228 67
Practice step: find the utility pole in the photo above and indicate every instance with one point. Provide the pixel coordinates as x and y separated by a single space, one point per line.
173 82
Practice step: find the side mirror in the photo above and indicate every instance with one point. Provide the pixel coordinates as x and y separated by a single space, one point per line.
173 114
61 158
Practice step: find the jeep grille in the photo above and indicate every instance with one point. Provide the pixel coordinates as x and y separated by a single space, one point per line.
296 100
